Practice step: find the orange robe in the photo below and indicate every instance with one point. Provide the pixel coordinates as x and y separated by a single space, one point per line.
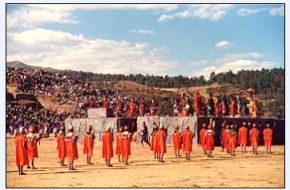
154 142
176 140
71 147
232 143
209 140
187 140
21 150
254 137
161 141
88 142
267 136
61 147
32 146
119 144
197 104
126 147
226 136
202 133
107 149
243 135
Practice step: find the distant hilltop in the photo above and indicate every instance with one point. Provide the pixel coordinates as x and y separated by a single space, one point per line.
18 64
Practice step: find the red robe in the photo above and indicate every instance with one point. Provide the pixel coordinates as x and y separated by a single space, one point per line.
161 141
142 109
267 136
107 149
176 140
71 147
88 142
202 133
233 108
126 147
106 104
254 137
21 150
243 135
32 146
218 108
232 143
131 111
187 140
119 144
226 136
209 140
61 147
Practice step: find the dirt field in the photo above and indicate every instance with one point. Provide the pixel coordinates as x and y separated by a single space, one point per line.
221 171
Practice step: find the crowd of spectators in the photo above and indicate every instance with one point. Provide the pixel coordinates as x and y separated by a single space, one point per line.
84 95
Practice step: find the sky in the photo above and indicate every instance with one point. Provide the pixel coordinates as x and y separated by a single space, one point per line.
158 39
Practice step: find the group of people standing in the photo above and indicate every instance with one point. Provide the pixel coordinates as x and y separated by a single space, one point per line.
231 138
26 144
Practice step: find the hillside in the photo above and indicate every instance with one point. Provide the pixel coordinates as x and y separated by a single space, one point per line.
268 84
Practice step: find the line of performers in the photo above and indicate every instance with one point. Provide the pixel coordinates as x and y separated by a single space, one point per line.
26 144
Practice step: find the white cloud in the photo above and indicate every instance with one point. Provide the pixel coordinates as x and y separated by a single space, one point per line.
62 50
32 15
143 31
277 11
246 11
212 12
272 11
223 44
235 63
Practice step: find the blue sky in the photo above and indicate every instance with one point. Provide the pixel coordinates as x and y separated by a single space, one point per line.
161 39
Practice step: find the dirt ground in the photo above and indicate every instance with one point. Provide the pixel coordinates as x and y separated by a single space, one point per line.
245 170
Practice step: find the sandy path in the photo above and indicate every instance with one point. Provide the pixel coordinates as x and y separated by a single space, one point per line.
221 171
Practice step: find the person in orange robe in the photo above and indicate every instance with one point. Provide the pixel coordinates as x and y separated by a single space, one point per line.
187 137
119 143
232 143
61 145
267 136
254 138
209 140
88 142
226 136
126 147
21 150
197 103
161 143
131 108
202 133
71 147
243 137
176 137
221 135
32 140
154 140
107 149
